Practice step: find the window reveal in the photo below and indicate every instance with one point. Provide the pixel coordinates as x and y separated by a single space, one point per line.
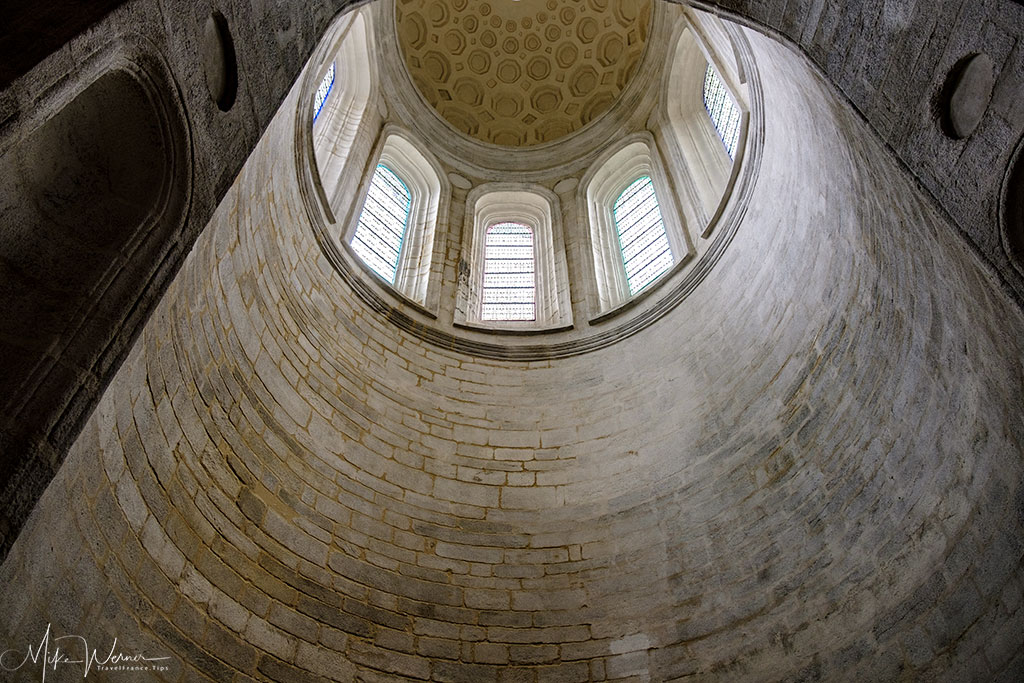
724 113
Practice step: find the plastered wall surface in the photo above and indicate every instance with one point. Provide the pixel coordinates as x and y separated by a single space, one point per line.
810 469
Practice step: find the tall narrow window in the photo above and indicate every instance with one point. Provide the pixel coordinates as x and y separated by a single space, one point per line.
646 253
509 291
382 223
323 91
724 113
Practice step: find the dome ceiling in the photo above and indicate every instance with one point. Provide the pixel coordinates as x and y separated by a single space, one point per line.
521 72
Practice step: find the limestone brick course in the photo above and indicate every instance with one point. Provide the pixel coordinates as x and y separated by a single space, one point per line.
810 469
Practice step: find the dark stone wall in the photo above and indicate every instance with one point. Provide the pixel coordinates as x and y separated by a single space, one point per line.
70 309
29 31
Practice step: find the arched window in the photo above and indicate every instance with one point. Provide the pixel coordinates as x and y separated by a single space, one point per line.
344 123
382 223
637 234
509 287
706 103
512 270
392 229
724 113
646 253
323 91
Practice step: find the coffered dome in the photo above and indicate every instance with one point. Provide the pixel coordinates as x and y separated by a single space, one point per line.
526 72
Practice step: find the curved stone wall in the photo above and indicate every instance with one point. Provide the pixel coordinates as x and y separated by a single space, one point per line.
810 469
892 61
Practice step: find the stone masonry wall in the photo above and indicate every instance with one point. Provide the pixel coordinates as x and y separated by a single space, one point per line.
810 469
892 58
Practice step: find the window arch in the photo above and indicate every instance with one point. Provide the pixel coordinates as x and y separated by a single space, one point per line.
724 113
644 245
509 285
706 107
393 228
382 223
344 123
637 233
512 273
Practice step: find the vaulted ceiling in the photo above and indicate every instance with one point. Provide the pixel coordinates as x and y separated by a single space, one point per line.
522 72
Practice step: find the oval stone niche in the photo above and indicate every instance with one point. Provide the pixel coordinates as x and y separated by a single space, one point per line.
219 63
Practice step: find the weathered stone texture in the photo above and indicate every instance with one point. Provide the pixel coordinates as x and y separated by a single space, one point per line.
891 59
814 472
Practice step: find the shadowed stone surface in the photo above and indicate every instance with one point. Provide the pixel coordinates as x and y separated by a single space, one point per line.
970 92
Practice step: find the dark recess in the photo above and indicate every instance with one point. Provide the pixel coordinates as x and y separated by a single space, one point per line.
219 62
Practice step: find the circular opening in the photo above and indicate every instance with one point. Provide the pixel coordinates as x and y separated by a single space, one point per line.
219 64
966 94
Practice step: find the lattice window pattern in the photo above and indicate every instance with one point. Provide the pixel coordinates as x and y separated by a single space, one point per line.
646 253
323 91
724 113
382 223
509 288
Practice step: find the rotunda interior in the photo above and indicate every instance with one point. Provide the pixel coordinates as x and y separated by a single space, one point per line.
789 450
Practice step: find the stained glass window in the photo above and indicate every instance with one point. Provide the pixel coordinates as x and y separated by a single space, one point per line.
645 249
382 223
509 291
323 91
724 113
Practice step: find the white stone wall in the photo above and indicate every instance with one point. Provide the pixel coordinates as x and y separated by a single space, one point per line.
810 468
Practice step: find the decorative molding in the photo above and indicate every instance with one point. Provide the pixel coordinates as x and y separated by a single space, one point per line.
561 342
521 73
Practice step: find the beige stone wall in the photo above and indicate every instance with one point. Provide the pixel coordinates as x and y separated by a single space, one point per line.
812 467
